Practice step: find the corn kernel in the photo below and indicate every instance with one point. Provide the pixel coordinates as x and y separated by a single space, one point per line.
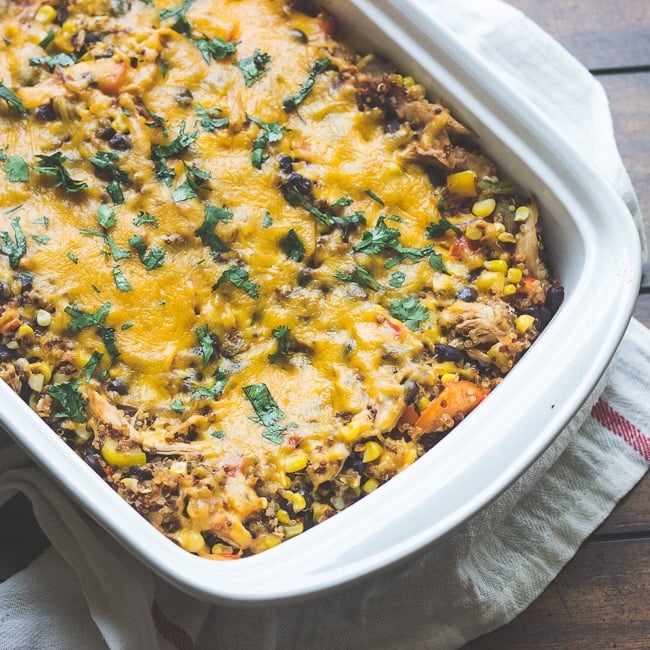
370 485
524 323
292 531
462 183
36 383
506 238
498 266
490 280
40 368
522 213
190 540
514 275
43 317
350 432
221 549
283 516
484 208
25 331
130 483
408 82
473 232
121 123
45 14
295 499
321 511
284 480
68 26
295 462
371 451
122 457
265 542
448 377
178 467
509 289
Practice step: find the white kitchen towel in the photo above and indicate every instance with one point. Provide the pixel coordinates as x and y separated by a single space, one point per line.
87 592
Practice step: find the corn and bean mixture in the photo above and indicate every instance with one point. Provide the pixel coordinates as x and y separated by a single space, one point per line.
247 274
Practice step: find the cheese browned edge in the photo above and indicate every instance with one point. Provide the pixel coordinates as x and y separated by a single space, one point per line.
247 274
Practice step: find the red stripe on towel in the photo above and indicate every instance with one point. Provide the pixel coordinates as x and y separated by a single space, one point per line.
616 423
175 634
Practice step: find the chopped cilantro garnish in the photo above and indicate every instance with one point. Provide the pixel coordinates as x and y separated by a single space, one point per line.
215 47
52 60
157 122
207 346
106 216
48 38
293 246
107 335
126 326
16 170
291 102
12 99
403 253
436 263
117 252
92 364
238 277
145 217
195 181
213 215
362 277
435 230
43 221
82 319
282 334
176 12
13 249
104 163
377 239
41 239
53 166
254 66
209 118
160 154
121 282
268 412
397 279
267 221
72 257
95 288
70 400
409 310
221 380
218 434
152 258
177 406
374 197
270 132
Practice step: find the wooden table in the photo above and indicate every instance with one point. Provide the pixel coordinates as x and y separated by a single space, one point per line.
602 598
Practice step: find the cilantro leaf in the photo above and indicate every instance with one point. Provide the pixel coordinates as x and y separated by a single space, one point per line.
176 11
218 434
270 132
12 99
107 335
72 257
282 334
374 197
195 181
293 246
377 239
214 47
213 215
435 230
69 399
177 406
221 380
53 166
48 38
362 277
205 340
117 252
397 279
145 217
91 365
153 259
239 278
254 66
41 239
209 118
160 153
106 216
436 263
157 122
120 281
267 221
409 310
268 412
104 163
13 250
16 170
291 102
81 319
52 60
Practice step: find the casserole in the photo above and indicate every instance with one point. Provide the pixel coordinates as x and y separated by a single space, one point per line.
401 509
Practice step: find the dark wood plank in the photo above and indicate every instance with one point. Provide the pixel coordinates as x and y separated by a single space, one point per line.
601 33
600 600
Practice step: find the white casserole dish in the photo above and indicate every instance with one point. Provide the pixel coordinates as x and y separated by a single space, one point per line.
584 222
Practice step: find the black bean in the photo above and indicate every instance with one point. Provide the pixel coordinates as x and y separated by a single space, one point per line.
91 38
541 314
411 390
5 353
446 352
118 386
92 460
27 281
298 35
286 164
105 133
45 113
554 298
300 184
5 289
305 276
467 294
184 97
121 142
356 465
141 473
393 126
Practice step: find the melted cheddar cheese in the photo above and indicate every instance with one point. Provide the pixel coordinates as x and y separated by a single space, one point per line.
246 273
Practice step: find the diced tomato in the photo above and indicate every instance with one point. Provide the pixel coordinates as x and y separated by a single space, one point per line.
463 246
112 77
327 24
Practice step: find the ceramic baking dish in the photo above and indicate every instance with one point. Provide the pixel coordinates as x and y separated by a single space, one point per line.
595 251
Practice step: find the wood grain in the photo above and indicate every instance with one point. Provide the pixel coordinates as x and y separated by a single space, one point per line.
603 34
